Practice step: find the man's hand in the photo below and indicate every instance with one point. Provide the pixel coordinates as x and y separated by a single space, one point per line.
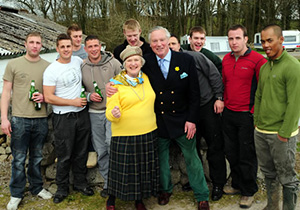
38 97
6 127
282 139
95 97
116 112
218 106
110 90
80 102
190 129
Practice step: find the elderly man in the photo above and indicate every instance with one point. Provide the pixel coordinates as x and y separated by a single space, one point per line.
174 79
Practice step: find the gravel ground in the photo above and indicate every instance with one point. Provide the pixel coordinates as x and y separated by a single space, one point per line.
179 200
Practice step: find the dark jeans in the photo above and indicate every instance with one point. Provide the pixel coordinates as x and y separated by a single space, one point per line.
240 150
210 127
27 134
72 132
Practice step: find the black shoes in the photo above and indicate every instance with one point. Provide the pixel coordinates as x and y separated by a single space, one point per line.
187 187
58 198
103 193
217 193
85 191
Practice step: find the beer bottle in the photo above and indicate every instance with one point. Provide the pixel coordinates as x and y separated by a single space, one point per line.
37 105
31 90
82 95
97 89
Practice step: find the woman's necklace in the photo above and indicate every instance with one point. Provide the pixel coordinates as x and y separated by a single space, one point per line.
138 94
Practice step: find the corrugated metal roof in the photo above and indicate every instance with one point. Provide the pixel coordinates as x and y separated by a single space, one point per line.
15 25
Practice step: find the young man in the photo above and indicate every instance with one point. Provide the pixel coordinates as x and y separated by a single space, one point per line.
71 123
28 127
240 77
276 116
132 32
75 32
99 67
197 41
209 120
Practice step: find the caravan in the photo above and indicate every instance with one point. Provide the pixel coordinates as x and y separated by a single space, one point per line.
216 44
291 40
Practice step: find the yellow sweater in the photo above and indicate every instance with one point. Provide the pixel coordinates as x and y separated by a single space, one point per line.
137 116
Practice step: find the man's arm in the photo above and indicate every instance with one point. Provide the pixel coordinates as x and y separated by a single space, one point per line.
194 102
292 89
5 100
210 71
51 98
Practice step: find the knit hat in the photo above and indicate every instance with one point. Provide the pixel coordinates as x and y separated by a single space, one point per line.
130 51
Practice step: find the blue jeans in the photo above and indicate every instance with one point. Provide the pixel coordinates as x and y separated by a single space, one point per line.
27 134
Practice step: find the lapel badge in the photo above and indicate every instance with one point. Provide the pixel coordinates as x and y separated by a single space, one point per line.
177 68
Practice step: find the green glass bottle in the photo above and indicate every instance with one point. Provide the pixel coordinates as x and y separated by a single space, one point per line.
97 89
37 105
82 95
31 90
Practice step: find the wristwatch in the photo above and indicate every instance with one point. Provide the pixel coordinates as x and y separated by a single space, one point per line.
220 98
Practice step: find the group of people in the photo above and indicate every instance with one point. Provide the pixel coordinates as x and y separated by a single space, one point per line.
244 106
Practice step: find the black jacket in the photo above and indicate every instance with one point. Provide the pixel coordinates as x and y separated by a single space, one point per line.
145 48
177 97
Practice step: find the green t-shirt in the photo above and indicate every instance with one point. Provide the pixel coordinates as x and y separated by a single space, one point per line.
20 72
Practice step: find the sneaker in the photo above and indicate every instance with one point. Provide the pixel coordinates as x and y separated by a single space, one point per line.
45 194
92 160
246 202
13 203
228 190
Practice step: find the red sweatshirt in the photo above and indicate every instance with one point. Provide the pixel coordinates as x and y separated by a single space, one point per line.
240 78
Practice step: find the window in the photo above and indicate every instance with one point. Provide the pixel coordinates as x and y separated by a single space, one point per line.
290 38
215 46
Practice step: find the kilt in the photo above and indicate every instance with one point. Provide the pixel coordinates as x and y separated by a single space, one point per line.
133 167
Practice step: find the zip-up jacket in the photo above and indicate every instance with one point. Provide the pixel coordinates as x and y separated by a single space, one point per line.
277 98
240 78
209 78
101 72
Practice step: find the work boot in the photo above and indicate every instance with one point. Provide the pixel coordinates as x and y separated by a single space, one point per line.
289 198
273 193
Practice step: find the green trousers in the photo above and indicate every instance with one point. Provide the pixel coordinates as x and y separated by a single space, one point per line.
193 165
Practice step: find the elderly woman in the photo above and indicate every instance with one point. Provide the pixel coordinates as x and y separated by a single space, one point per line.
133 165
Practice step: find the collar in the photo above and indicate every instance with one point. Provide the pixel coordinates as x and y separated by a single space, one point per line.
248 51
282 54
167 57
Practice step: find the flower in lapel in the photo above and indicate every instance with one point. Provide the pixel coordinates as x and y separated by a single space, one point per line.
177 68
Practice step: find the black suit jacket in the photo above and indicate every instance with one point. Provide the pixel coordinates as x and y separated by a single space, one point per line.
177 97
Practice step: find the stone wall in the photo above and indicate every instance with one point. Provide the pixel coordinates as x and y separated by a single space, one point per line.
177 164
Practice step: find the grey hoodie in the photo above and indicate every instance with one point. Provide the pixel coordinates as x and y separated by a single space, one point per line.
101 72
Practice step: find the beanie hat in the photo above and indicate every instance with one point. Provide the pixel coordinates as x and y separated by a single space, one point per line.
130 51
